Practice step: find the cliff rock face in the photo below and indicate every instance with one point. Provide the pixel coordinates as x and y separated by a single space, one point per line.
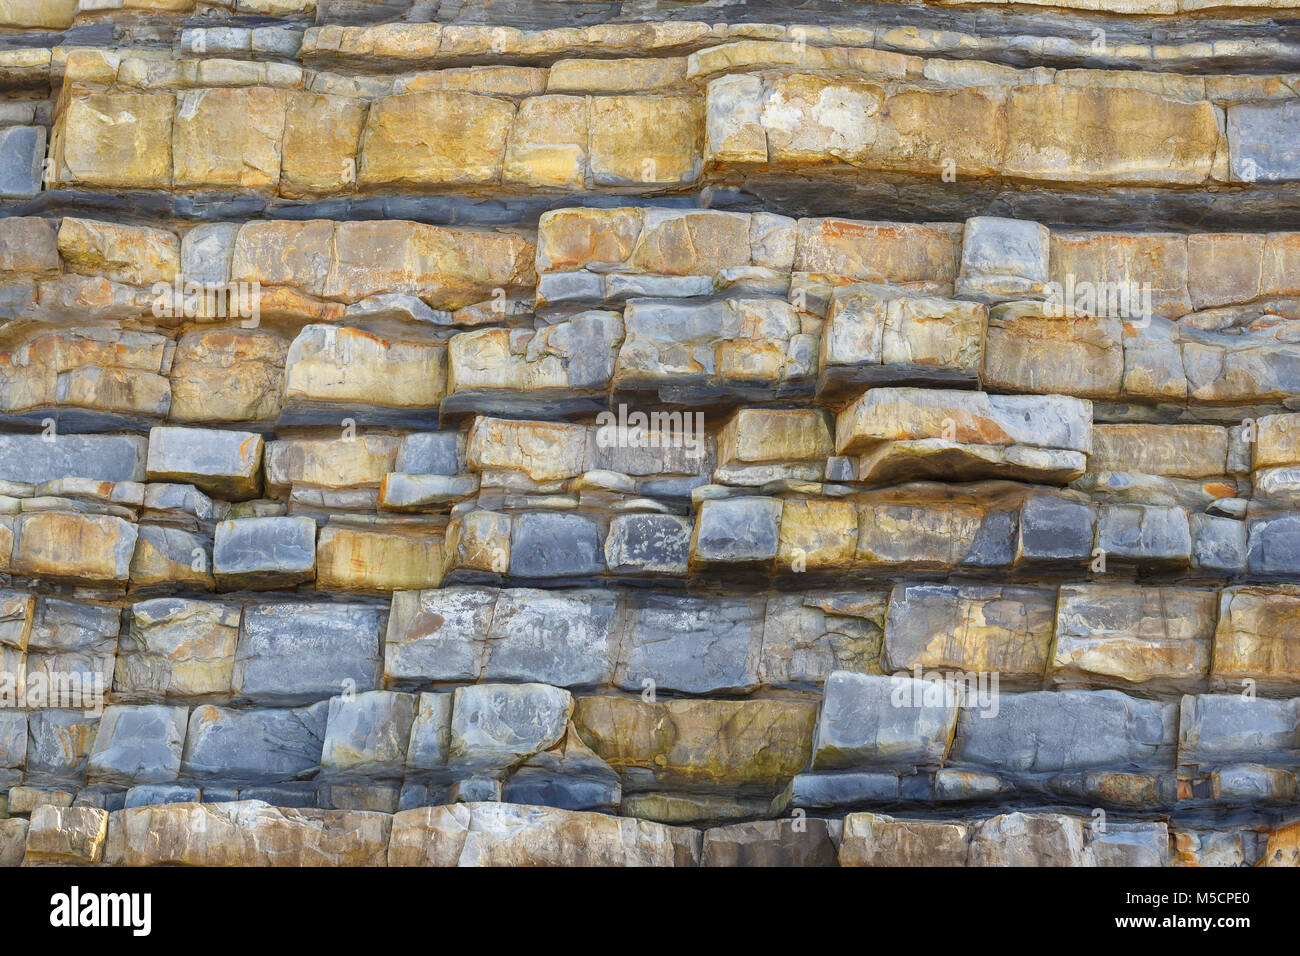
649 434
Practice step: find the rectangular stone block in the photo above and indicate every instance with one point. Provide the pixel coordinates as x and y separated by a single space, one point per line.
117 140
254 745
300 652
1028 350
879 721
1216 729
1038 733
434 138
138 744
1133 634
264 553
86 548
377 558
175 648
36 459
225 464
969 628
229 137
1256 637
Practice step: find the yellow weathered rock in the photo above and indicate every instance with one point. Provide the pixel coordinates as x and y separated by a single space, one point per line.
434 139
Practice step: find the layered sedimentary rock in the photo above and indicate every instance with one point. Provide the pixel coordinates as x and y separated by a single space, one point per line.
626 437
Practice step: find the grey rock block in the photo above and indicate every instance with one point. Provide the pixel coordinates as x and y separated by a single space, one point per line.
254 745
155 794
1230 728
737 531
13 740
59 744
430 743
691 645
1128 844
264 553
22 156
225 464
548 545
431 453
1274 545
36 459
207 251
1264 141
1145 535
1218 544
368 733
798 843
1055 530
879 721
138 744
300 652
1039 733
552 637
648 544
403 492
436 635
1003 259
833 792
495 726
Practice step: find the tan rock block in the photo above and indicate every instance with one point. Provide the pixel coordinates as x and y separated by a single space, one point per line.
1257 636
1277 441
1110 263
691 243
734 121
434 139
1027 350
177 649
926 256
135 254
66 836
1175 451
1283 847
322 135
646 140
119 140
358 462
447 268
1223 268
503 834
1028 839
246 833
969 629
941 132
761 742
229 137
1098 135
569 239
95 549
486 80
816 535
340 365
478 541
48 14
376 558
762 435
1281 265
548 143
227 375
873 839
281 252
542 451
623 75
1133 634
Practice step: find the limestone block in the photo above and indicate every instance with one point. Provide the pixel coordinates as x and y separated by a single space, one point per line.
359 461
1003 259
321 137
133 254
1256 637
691 645
769 843
547 146
434 139
368 733
763 742
267 745
115 140
1028 839
93 549
300 652
227 375
1028 350
36 459
264 553
1261 139
1231 728
502 834
736 531
877 721
138 744
873 839
225 464
646 140
1133 634
494 726
247 833
377 558
229 137
968 628
175 648
66 836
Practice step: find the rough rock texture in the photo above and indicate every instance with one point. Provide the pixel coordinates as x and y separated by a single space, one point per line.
669 434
